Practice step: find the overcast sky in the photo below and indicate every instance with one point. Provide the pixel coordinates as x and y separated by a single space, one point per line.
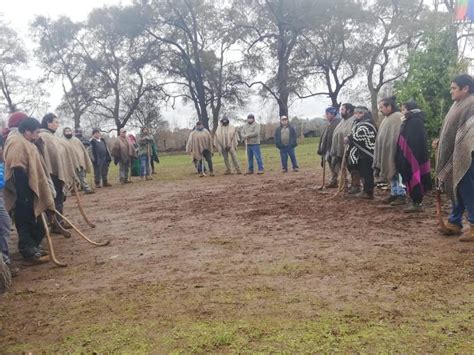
20 13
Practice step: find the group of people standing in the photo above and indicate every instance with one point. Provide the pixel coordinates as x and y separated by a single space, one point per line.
38 169
201 145
397 153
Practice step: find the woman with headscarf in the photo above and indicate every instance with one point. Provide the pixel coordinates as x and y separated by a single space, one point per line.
412 158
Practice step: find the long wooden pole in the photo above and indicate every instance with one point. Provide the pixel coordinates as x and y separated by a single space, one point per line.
52 255
79 204
99 244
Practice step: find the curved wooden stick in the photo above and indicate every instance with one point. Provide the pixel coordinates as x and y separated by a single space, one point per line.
65 233
79 204
52 256
82 234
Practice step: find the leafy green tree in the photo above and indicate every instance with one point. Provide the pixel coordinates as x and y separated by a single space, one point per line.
431 69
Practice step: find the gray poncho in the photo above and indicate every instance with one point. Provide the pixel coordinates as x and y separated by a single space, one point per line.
386 145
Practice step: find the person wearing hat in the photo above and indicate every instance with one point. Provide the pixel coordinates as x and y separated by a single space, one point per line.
101 159
251 135
325 145
200 147
226 140
123 153
286 142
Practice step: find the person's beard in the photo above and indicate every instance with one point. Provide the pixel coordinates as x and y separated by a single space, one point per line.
68 136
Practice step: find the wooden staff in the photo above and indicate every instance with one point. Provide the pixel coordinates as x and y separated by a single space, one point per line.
82 234
439 213
52 255
79 204
342 176
324 174
65 233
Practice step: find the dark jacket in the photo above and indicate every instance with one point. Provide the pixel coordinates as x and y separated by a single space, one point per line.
293 141
96 159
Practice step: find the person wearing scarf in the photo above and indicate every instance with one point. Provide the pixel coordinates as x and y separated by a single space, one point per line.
454 161
386 148
325 144
361 150
412 159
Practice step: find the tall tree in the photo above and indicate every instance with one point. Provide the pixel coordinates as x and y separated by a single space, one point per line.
332 49
274 29
396 28
61 55
17 91
118 59
195 40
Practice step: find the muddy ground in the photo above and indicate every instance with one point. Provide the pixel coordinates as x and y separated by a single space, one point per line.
260 263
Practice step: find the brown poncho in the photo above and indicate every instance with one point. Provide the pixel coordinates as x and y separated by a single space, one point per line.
198 142
56 156
80 154
342 130
386 145
456 144
123 150
226 137
20 153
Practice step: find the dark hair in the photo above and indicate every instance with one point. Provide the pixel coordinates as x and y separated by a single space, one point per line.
95 130
250 115
392 102
29 124
69 128
349 108
199 123
410 105
48 118
464 80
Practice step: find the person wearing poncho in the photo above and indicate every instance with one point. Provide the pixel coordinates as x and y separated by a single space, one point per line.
145 143
338 146
123 153
454 161
27 189
325 144
361 150
386 148
412 159
200 147
81 157
226 140
57 158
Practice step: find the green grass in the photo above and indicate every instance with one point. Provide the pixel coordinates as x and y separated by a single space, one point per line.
178 166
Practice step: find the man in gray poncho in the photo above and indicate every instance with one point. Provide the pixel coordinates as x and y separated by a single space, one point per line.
455 163
343 130
386 149
325 144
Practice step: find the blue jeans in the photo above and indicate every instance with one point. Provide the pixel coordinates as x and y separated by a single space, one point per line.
5 225
144 165
284 153
396 188
254 150
465 195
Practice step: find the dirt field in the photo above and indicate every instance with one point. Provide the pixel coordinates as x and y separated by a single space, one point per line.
260 263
